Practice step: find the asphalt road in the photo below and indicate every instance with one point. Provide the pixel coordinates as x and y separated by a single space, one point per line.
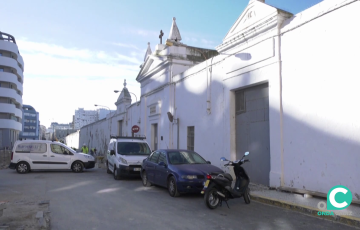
94 200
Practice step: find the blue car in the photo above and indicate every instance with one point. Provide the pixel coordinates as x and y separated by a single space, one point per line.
180 171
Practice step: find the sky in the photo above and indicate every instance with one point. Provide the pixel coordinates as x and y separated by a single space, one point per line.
77 52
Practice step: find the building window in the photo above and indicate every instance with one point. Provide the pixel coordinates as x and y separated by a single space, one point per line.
190 137
240 106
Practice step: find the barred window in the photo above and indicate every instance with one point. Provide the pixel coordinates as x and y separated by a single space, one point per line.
240 105
190 137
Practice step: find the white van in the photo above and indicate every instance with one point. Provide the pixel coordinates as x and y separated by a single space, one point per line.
125 156
30 155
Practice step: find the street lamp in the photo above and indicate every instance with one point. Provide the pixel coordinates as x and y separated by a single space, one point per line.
109 113
116 91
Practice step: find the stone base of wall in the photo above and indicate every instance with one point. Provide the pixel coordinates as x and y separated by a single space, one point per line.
5 158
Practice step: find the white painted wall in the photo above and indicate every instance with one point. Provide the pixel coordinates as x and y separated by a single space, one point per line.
320 91
72 140
314 143
96 135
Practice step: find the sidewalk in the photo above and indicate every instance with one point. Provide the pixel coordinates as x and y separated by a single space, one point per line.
305 204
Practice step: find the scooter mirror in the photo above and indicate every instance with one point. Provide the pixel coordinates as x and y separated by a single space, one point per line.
247 153
223 159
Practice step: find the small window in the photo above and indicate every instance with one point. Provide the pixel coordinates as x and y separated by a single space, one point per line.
31 147
190 137
154 157
58 149
162 158
240 104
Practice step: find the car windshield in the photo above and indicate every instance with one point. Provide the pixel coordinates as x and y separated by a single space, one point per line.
133 148
185 157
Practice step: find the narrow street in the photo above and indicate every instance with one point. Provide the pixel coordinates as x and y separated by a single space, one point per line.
94 200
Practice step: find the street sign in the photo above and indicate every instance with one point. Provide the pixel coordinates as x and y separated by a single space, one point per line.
135 129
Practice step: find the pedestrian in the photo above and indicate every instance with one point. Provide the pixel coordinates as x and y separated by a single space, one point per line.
92 151
95 151
85 149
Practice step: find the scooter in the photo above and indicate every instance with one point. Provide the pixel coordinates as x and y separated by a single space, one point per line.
221 187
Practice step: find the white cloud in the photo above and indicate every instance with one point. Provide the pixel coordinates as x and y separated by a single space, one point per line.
146 32
126 45
58 80
207 42
191 39
54 50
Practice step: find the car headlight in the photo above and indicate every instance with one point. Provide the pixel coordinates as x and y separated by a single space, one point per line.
189 177
123 160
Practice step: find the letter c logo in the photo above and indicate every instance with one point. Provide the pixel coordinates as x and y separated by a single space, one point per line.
332 198
343 198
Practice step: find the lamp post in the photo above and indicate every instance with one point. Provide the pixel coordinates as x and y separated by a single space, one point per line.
116 91
109 113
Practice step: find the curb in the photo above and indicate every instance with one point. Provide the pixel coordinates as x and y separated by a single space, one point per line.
348 220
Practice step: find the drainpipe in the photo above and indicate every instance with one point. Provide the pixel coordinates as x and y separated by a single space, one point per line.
177 121
209 78
280 22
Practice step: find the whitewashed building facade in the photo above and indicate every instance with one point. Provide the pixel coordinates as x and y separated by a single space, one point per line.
282 87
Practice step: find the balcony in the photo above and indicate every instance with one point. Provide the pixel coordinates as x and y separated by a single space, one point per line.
10 62
7 37
13 78
10 108
10 124
12 93
7 42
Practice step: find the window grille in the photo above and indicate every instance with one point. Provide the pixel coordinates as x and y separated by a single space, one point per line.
190 137
240 103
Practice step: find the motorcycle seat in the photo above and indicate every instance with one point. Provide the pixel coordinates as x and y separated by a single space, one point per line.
228 176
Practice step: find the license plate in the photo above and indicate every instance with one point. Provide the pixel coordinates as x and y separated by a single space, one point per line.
137 169
207 183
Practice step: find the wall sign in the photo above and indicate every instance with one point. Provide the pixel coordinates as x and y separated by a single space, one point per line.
153 109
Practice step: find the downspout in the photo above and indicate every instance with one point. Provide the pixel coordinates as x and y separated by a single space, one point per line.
173 102
280 22
178 132
175 109
208 100
209 79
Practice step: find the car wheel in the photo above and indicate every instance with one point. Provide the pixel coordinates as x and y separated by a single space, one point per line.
116 174
77 167
172 188
247 195
22 167
145 181
107 168
211 198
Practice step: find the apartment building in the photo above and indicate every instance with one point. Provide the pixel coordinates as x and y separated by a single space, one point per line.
11 90
30 124
85 117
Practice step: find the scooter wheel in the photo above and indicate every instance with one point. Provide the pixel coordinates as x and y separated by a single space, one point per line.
247 198
211 198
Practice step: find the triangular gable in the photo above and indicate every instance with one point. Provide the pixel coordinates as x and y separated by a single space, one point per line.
151 64
255 13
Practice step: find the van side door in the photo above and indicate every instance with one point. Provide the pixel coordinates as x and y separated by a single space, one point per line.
60 157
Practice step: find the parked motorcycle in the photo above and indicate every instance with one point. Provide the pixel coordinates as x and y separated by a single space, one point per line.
221 187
